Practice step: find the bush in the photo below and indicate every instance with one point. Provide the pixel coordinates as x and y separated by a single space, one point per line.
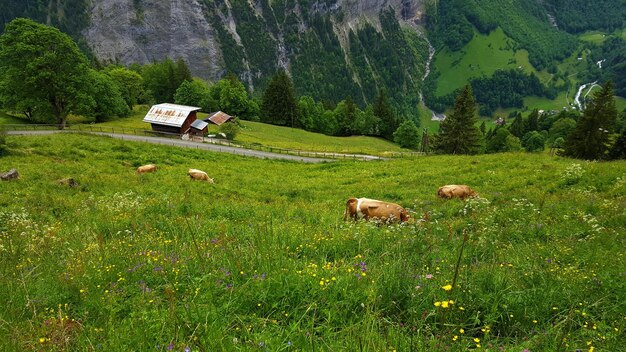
230 129
534 141
407 135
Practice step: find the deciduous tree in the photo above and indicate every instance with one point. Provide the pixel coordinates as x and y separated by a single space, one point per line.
407 135
43 71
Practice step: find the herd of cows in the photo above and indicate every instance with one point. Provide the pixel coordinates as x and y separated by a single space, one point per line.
390 212
358 207
193 173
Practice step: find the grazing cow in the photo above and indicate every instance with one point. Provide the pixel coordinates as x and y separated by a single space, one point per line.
456 191
374 209
199 175
146 168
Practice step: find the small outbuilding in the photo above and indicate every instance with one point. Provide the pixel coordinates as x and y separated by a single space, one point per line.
171 118
218 118
198 128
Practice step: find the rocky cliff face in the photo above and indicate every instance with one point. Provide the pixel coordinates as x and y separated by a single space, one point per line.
130 31
141 31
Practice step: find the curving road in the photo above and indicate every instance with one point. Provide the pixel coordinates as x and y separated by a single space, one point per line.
206 146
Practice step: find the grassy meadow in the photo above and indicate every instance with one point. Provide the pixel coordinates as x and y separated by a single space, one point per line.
483 55
256 133
262 261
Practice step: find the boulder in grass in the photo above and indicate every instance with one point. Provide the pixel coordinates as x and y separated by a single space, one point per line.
9 175
70 182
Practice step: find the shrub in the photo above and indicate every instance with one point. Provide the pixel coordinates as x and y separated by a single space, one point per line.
230 129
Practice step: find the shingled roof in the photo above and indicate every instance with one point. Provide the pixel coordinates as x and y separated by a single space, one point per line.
218 117
169 114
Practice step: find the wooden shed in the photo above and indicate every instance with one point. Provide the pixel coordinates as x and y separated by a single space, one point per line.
198 128
171 118
218 118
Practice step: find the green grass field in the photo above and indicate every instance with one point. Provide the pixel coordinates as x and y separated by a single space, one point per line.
6 119
293 138
261 260
483 55
281 137
593 36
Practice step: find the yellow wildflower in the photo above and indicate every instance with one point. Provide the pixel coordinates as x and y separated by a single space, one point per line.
447 287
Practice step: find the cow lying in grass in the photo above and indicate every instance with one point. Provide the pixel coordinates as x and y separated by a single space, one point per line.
374 209
456 191
199 175
146 168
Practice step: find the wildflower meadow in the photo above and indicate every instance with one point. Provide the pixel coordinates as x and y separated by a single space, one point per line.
261 260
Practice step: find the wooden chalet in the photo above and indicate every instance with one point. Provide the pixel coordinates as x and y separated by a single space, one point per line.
171 118
218 118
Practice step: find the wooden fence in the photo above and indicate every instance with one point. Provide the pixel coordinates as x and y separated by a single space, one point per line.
99 129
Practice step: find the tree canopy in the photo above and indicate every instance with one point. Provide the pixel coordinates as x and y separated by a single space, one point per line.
42 71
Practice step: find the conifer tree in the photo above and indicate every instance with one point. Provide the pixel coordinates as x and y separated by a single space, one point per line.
517 127
389 122
458 133
532 122
279 104
590 139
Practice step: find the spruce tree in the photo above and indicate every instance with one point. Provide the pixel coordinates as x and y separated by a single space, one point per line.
458 133
532 122
279 104
517 127
389 122
591 138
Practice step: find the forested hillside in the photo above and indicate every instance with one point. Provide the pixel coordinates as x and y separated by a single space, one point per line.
335 49
540 38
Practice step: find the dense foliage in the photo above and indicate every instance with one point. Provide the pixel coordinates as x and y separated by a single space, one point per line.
322 64
611 57
407 135
575 16
591 137
452 23
161 79
43 74
505 89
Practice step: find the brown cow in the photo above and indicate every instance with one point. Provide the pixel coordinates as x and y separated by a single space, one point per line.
199 175
456 191
374 209
146 168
